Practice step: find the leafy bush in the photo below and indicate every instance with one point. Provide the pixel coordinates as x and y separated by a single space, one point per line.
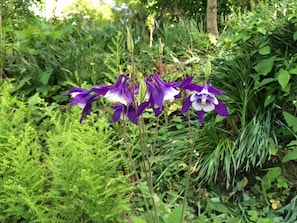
58 171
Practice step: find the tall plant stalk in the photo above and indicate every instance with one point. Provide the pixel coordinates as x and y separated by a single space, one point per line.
187 185
144 150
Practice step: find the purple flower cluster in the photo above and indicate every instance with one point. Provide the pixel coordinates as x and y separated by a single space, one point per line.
201 98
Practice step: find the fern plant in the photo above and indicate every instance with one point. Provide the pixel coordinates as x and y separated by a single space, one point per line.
54 169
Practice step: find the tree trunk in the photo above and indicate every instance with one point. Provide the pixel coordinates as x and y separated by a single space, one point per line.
212 24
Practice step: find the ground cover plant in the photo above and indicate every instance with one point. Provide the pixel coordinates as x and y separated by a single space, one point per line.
144 137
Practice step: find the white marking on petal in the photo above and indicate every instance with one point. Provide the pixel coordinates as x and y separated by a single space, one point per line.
73 94
208 107
81 105
197 106
194 97
115 97
214 99
169 94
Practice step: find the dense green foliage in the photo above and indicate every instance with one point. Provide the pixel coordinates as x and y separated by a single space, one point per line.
244 166
55 170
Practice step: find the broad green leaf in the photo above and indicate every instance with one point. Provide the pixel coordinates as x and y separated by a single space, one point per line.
44 76
33 100
261 29
272 174
283 78
174 216
265 66
293 71
291 120
291 155
264 50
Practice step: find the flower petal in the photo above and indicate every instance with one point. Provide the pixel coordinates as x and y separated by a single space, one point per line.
117 113
208 107
170 94
213 90
197 105
141 107
132 115
201 116
221 109
186 105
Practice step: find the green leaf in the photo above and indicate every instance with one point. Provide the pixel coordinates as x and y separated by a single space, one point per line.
295 36
291 120
264 50
174 216
291 155
293 71
44 76
137 219
33 100
272 174
269 99
265 66
283 78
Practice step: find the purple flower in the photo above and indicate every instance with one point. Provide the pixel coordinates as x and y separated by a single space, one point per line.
124 112
203 100
84 99
158 92
119 92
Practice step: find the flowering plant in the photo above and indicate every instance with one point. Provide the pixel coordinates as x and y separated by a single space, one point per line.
202 98
130 100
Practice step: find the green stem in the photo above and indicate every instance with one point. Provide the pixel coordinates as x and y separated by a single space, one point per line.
149 170
187 185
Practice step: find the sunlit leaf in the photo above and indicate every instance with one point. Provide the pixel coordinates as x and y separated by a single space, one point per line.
265 66
283 78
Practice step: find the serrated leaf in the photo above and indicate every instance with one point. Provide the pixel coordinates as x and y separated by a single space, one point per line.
283 78
265 65
291 120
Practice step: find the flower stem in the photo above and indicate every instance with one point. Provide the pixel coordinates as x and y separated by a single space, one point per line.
148 172
187 185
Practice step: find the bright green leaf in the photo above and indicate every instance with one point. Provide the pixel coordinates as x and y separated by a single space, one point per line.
264 50
291 155
291 120
293 71
265 66
272 174
174 216
33 100
44 76
283 78
137 219
269 99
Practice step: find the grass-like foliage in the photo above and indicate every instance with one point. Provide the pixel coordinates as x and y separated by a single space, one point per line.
64 172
